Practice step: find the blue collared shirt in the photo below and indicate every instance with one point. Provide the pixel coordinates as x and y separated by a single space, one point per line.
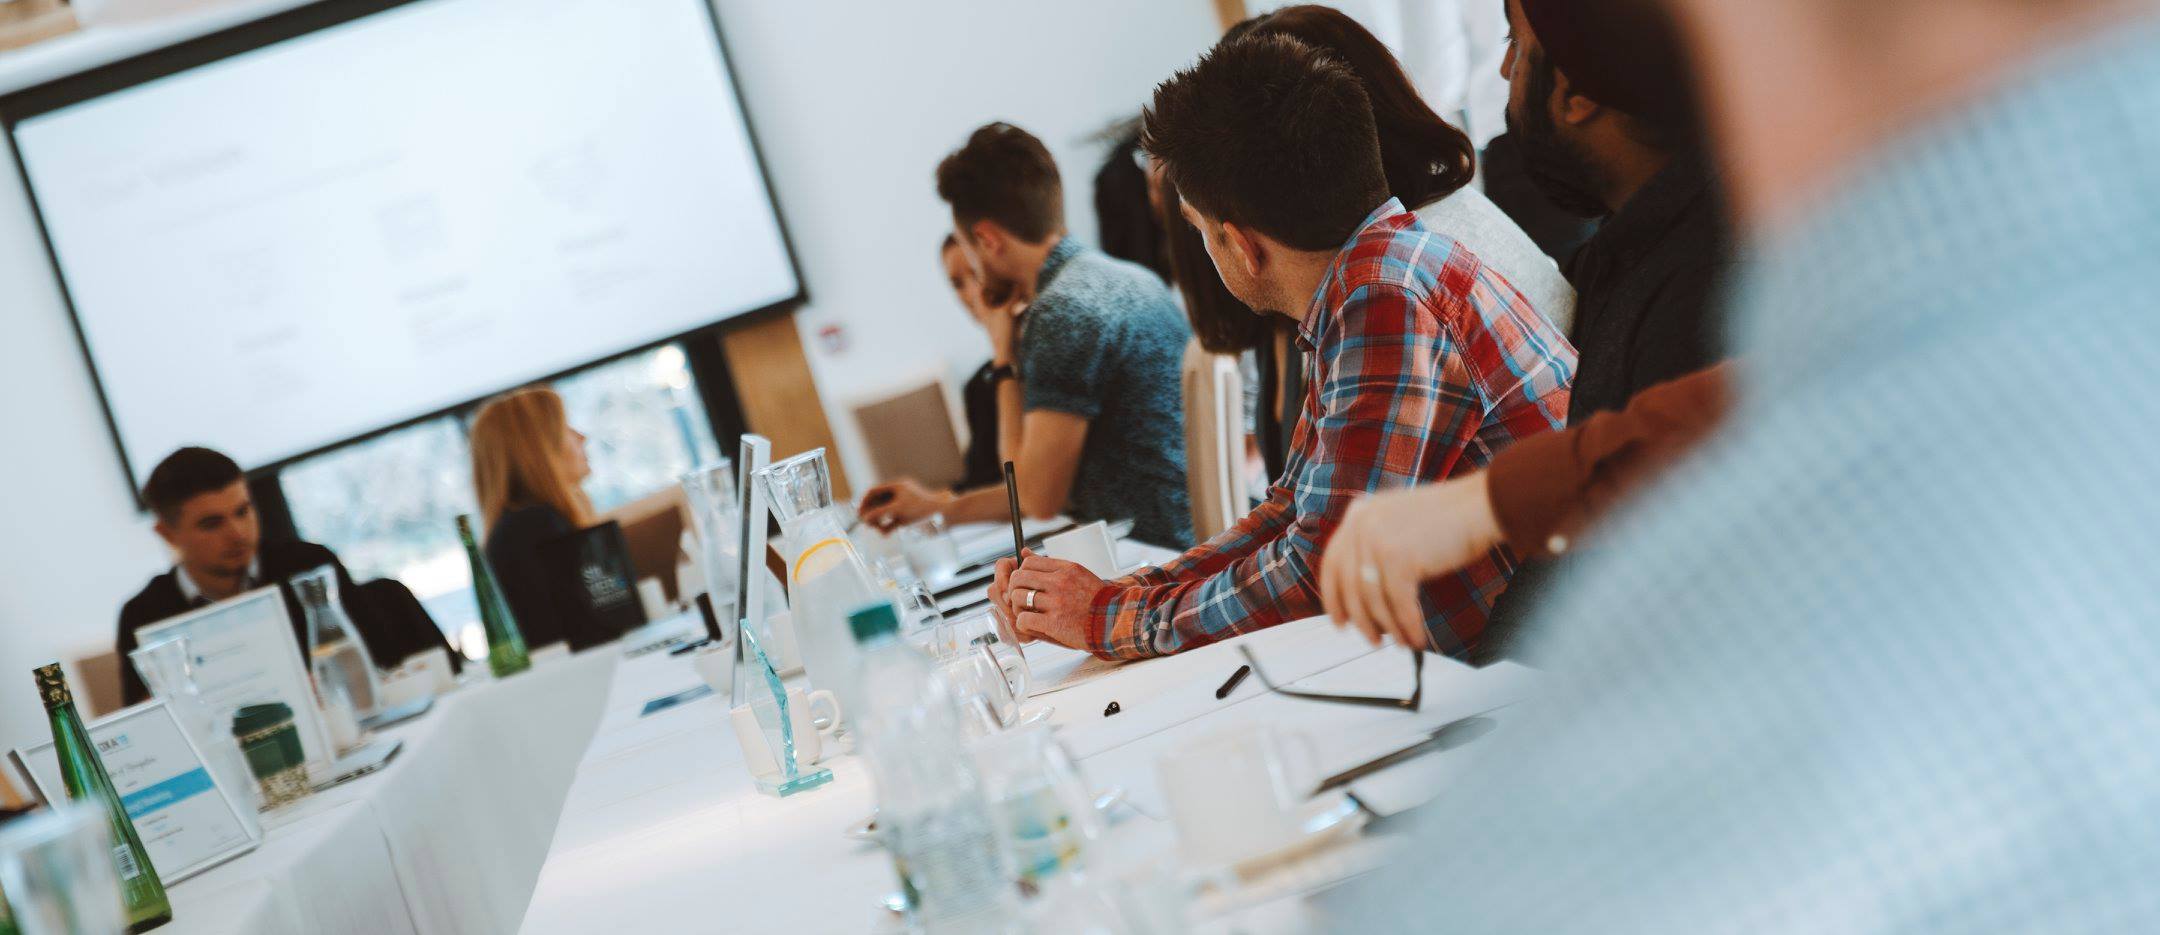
1886 656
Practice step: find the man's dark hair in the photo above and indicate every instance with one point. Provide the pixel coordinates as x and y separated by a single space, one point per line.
1004 174
1272 134
1623 54
184 475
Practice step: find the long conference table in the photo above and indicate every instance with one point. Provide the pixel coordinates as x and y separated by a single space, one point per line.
550 802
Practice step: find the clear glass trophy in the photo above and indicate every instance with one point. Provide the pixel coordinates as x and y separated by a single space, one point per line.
757 684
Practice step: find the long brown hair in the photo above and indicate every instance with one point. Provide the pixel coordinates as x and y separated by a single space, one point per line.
1426 157
518 457
1223 324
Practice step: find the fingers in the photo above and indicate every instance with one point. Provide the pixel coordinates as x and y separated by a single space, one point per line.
1355 608
1033 625
1405 615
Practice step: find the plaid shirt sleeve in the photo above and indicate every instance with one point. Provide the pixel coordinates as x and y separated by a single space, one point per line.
1396 404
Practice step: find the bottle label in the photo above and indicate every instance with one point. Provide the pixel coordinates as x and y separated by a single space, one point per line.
125 860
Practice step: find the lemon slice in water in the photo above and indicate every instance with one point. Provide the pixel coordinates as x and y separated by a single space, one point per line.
821 557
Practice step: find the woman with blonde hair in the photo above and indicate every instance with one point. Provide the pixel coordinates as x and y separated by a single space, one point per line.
528 465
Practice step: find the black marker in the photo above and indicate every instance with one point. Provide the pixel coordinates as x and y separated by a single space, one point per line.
1236 678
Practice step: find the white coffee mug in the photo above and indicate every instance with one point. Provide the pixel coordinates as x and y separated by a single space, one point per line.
810 731
1235 794
715 666
1089 546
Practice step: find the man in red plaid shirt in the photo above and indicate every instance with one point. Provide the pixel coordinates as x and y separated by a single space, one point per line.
1424 362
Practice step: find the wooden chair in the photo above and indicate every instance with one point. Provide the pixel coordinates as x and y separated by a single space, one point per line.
912 434
1214 391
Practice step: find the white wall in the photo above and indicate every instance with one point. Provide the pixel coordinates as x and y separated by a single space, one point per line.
854 103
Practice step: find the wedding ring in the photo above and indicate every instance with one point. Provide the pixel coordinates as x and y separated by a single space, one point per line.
1031 598
1370 574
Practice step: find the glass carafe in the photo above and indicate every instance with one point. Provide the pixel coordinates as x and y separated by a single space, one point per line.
827 579
336 656
715 513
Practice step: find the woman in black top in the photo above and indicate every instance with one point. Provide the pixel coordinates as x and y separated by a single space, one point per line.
528 465
979 396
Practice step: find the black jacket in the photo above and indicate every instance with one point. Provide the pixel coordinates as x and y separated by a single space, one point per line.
1646 311
387 626
513 551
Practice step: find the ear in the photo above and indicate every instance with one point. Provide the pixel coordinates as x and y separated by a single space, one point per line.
990 239
1569 107
164 532
1247 247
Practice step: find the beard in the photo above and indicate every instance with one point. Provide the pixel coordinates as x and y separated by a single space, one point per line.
1557 166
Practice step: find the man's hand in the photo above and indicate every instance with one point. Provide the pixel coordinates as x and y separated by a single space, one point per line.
1046 599
889 506
1390 543
1000 318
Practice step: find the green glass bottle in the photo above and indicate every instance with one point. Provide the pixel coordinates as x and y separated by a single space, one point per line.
84 775
506 646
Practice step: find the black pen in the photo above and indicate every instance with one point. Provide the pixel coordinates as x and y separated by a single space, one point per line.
1012 500
1236 678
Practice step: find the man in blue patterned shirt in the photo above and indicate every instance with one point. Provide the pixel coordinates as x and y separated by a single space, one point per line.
1086 359
1882 656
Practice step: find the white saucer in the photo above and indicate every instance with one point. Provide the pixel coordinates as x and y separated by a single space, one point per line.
866 829
1328 821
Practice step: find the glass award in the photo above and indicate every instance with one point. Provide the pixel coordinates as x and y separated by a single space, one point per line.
757 684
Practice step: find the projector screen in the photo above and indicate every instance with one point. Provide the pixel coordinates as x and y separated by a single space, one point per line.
358 214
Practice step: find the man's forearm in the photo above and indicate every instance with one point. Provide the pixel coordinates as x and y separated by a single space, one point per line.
981 505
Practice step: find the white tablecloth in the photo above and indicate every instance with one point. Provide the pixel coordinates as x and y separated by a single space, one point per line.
449 838
662 830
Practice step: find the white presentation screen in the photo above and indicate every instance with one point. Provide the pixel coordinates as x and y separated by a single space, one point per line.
347 229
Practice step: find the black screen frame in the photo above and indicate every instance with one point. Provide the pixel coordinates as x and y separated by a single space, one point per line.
218 45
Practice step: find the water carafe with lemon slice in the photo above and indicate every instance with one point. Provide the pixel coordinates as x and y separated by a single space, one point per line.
827 579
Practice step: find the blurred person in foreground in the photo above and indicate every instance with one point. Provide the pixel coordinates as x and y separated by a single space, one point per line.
1424 361
1085 354
1878 657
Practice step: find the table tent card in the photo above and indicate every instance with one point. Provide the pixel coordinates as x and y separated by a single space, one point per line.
245 653
595 584
187 821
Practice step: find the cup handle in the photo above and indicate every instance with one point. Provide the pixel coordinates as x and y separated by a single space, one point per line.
832 721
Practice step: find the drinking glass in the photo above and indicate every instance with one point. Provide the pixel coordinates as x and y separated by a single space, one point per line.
931 549
1041 804
716 515
988 628
985 697
919 613
168 669
57 869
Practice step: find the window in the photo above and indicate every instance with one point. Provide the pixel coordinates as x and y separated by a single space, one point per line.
389 506
644 424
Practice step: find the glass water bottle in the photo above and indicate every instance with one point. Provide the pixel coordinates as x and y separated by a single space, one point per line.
506 646
83 773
